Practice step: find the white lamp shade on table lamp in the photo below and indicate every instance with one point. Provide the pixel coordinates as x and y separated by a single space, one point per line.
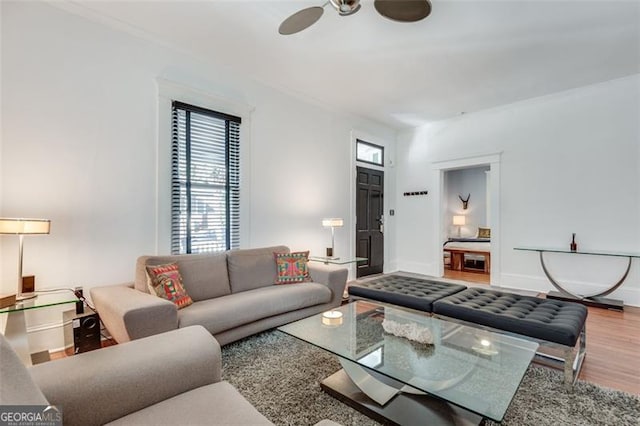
22 227
334 222
459 220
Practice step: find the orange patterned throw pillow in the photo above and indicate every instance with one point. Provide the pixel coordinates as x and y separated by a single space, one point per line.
166 283
292 267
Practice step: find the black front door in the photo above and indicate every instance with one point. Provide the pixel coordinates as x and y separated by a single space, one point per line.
369 220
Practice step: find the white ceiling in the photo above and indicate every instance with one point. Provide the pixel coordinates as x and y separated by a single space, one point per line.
466 56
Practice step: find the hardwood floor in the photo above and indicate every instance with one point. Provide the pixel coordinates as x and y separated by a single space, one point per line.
473 277
613 349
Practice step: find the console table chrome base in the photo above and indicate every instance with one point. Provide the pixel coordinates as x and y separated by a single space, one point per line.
598 302
590 300
399 404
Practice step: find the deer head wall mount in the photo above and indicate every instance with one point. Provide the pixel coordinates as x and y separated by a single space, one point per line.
465 203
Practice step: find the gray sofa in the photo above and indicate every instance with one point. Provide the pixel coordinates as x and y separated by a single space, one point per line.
233 292
130 384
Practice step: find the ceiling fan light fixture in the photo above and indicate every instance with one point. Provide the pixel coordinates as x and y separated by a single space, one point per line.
346 7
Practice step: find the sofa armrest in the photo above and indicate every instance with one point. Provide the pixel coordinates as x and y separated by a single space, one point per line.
130 314
331 276
97 387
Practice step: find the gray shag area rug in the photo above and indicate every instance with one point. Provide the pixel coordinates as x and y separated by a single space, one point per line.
280 375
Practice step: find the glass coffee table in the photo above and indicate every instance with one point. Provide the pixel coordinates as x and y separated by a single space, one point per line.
465 375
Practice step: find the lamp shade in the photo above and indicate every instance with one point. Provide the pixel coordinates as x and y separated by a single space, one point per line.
459 220
332 222
24 226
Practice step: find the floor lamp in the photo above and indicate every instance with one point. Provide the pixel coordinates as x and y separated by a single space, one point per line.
22 227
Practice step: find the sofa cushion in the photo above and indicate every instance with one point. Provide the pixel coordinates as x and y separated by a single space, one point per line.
215 404
252 268
292 267
484 232
227 312
204 276
166 283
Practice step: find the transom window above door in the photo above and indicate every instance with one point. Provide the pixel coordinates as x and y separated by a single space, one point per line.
369 153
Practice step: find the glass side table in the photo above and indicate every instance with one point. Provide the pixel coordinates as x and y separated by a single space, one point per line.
16 326
337 260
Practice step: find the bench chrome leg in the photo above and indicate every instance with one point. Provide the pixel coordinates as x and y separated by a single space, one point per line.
573 360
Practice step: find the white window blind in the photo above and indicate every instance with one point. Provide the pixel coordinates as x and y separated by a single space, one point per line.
205 180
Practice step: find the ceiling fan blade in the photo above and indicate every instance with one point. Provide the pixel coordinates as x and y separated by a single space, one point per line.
300 20
403 10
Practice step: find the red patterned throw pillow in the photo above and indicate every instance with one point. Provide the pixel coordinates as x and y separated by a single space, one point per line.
292 267
165 282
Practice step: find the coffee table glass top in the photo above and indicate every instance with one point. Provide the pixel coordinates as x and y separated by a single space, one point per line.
43 299
469 367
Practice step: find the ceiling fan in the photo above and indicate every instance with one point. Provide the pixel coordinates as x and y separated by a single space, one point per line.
396 10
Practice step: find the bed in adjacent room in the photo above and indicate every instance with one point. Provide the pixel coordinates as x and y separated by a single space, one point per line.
468 254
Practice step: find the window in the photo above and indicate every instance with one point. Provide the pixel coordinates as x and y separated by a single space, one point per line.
369 153
205 180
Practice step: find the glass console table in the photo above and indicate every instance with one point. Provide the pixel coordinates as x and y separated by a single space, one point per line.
595 299
16 326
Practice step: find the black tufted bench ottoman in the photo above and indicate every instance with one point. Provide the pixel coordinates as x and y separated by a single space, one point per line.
412 293
551 322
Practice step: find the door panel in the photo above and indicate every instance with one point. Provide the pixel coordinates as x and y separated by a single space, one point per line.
362 209
369 220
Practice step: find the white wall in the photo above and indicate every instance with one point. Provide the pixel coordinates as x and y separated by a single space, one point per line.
470 182
80 146
570 163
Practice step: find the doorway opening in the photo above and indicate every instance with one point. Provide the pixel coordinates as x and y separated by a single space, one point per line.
474 183
467 225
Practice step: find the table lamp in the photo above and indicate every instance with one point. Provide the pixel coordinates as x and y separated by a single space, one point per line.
332 223
459 221
22 227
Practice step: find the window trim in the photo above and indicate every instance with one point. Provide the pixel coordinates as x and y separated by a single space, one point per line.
381 148
168 90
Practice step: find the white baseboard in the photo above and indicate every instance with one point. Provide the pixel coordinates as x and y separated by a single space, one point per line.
629 295
390 267
418 268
